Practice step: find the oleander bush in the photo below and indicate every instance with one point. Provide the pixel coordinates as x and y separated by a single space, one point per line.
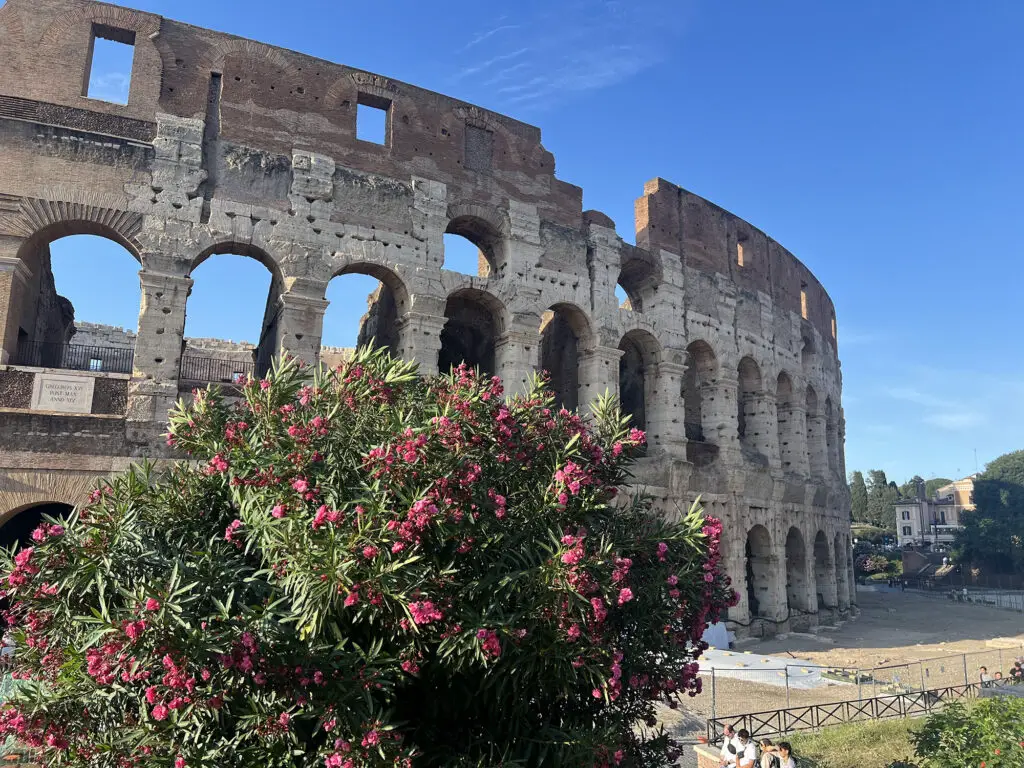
988 733
362 567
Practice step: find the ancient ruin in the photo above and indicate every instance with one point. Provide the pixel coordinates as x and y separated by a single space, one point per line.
725 351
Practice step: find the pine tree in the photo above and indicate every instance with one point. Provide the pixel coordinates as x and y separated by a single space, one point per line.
859 497
882 496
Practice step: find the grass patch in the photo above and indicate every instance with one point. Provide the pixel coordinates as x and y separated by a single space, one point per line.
856 745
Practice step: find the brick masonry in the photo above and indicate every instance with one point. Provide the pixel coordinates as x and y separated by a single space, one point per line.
725 352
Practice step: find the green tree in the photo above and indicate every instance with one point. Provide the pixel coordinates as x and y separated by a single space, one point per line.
365 569
993 535
882 496
859 497
932 486
909 490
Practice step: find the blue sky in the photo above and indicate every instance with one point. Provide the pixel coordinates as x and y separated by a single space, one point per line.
879 141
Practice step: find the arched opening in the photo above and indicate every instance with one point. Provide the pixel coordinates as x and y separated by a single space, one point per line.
786 423
473 246
750 411
80 308
638 279
18 525
351 321
471 331
796 572
807 352
824 573
564 331
223 346
760 576
636 375
701 369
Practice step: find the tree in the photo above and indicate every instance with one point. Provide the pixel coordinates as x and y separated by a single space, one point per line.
881 497
932 486
994 533
859 497
910 489
364 569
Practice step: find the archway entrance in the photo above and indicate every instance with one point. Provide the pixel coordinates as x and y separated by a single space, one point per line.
760 577
636 375
469 336
564 331
796 572
350 322
824 573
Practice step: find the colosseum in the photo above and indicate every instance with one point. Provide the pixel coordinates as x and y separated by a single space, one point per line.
724 349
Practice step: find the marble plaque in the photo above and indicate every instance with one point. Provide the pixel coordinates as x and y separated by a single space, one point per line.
68 394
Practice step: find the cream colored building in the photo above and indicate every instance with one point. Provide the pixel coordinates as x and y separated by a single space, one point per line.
934 521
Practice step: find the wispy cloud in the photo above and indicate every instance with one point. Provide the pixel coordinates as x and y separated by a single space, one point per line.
568 48
110 86
953 414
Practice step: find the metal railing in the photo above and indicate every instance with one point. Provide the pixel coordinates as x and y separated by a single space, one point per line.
75 357
214 370
814 716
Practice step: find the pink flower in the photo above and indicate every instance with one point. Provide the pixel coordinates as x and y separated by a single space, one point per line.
371 739
300 484
351 599
264 384
662 550
284 719
179 762
218 464
370 552
673 580
151 694
278 510
160 712
152 604
491 646
424 612
625 595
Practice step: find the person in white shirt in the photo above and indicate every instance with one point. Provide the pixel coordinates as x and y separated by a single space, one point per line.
786 755
728 757
746 750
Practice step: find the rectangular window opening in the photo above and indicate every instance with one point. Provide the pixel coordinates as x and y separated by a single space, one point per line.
95 364
739 253
109 66
803 300
372 124
833 326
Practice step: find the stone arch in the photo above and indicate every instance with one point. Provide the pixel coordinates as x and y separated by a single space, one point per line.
17 524
789 425
824 573
486 229
259 358
797 583
640 274
475 320
701 371
212 59
842 572
637 373
808 350
752 409
761 576
43 328
387 304
565 334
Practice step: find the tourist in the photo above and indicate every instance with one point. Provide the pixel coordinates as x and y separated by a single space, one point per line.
997 679
769 757
1017 672
986 681
746 751
781 754
730 746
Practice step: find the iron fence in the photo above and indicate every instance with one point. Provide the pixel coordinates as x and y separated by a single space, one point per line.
209 369
814 716
75 357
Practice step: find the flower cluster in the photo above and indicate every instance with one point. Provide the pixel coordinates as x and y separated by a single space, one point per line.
350 564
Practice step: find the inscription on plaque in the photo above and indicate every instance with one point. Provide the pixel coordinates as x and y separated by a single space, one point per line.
68 394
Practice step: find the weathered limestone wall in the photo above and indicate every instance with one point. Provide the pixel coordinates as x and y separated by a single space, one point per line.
725 351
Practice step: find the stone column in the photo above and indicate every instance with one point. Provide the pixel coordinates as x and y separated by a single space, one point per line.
419 340
817 449
599 373
158 346
301 320
825 582
718 412
842 571
14 282
761 427
430 219
792 428
666 412
515 359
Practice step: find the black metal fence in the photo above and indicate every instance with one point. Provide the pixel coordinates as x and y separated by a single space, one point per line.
811 717
209 369
75 357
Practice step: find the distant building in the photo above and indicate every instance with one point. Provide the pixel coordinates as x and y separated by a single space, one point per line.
934 521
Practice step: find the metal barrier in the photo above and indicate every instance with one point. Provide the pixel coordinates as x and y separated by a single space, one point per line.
783 721
75 357
209 369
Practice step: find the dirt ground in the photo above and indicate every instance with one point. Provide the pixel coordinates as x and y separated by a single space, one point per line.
893 628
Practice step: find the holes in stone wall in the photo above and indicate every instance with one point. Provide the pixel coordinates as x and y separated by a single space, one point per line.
803 300
740 254
108 72
373 115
